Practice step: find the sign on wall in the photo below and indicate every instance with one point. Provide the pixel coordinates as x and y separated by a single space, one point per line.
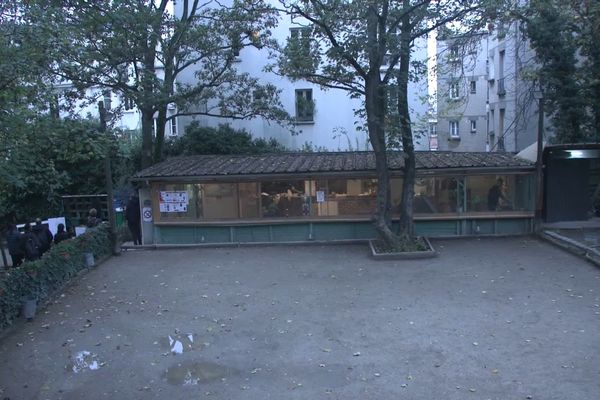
174 201
147 214
320 196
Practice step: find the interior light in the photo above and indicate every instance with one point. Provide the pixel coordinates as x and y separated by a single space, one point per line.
575 153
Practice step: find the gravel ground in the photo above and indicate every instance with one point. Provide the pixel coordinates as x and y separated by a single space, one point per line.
505 318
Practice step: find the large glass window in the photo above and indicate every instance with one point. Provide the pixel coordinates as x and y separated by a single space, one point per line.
498 193
338 197
436 195
284 199
179 202
220 200
249 200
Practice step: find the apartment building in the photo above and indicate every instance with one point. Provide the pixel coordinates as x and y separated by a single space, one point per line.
486 98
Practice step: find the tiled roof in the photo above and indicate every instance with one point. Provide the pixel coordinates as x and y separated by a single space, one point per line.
320 163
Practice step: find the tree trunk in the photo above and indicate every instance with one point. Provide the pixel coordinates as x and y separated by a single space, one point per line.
161 120
147 127
374 108
406 225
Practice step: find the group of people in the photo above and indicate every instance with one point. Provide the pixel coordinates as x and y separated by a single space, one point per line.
33 242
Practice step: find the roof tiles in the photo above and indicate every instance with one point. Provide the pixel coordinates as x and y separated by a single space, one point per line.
320 163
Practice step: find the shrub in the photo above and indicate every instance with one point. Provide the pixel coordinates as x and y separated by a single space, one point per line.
42 278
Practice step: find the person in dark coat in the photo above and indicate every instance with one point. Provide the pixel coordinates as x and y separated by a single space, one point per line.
495 194
30 244
15 249
133 217
61 234
43 234
93 219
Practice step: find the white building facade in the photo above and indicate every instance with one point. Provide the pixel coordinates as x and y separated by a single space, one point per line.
331 124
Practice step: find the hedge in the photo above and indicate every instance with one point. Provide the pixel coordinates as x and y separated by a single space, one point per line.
42 278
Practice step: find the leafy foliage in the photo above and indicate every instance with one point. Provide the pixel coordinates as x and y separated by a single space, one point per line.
564 35
144 53
42 278
51 157
221 140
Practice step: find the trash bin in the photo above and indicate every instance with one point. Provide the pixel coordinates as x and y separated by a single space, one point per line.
119 216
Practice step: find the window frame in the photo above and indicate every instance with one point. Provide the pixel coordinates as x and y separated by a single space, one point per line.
304 115
301 35
173 126
433 129
454 133
454 90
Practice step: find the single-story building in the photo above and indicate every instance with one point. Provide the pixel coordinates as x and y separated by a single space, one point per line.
298 197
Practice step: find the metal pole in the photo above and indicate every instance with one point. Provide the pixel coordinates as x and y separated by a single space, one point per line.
539 172
109 186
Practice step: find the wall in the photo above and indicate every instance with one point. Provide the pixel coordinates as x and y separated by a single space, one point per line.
334 127
332 231
467 65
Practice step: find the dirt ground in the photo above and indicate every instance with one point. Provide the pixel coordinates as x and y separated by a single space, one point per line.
506 318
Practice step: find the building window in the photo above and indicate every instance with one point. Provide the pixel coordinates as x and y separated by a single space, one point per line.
454 129
391 92
300 40
174 126
501 32
305 107
106 98
473 126
433 129
259 96
454 90
473 87
433 143
454 56
128 103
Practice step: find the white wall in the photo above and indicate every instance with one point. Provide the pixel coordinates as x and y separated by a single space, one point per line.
334 126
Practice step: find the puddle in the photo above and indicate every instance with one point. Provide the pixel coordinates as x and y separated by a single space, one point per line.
193 373
179 343
83 360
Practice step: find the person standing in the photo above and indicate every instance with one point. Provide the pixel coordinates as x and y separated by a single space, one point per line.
133 217
15 249
93 219
30 244
496 193
43 234
61 234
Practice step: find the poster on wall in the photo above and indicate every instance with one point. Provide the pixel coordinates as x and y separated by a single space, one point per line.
173 201
320 196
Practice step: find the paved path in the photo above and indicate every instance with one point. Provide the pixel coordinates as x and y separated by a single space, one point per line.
488 319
